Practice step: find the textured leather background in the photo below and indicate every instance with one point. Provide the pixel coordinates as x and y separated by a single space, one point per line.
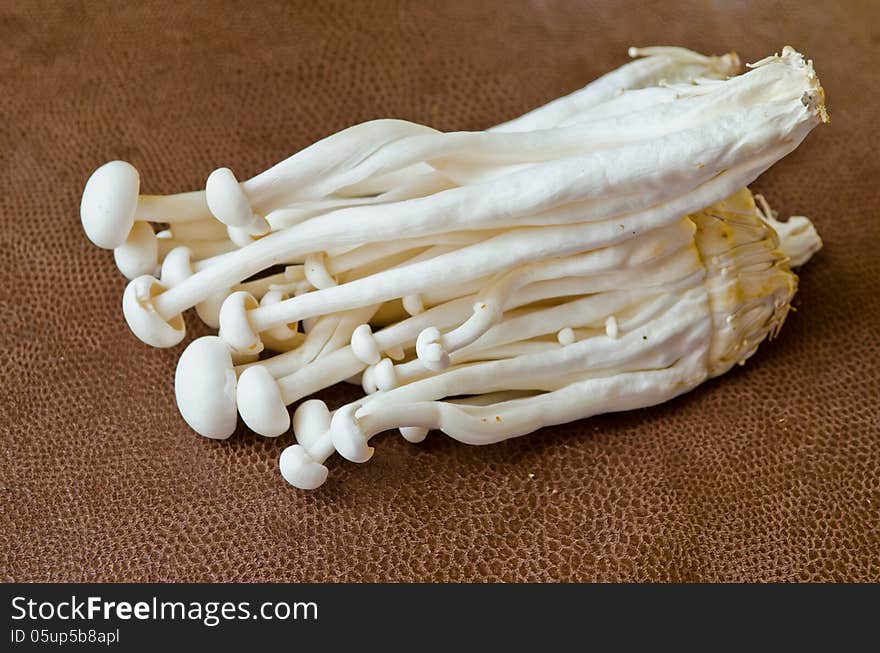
769 473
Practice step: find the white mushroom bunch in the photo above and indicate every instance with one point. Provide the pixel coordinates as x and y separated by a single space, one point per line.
600 253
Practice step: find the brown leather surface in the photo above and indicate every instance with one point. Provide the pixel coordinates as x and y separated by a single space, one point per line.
771 472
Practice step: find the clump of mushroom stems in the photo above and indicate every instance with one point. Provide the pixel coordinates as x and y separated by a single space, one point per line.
599 253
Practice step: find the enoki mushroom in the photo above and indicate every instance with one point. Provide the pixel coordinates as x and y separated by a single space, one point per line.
597 254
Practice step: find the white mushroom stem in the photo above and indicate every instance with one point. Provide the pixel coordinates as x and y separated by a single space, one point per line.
312 346
283 281
210 229
456 154
419 185
373 252
318 269
671 65
674 64
201 249
286 336
385 376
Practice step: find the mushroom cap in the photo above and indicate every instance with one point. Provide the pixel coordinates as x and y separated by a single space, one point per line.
413 304
311 420
414 434
230 205
364 345
301 470
176 266
204 386
139 254
566 336
235 328
142 317
385 375
368 379
348 437
208 310
260 404
226 198
109 202
431 350
240 236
